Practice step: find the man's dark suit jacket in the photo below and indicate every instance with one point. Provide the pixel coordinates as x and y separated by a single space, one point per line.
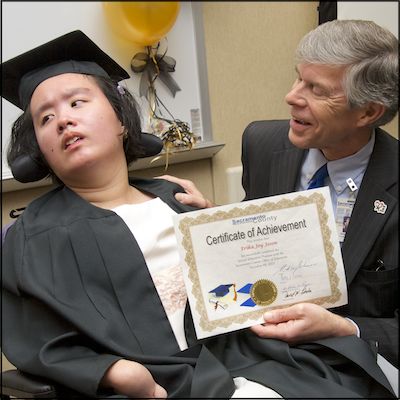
271 166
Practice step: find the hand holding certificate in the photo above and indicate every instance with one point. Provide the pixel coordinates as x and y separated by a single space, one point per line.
241 259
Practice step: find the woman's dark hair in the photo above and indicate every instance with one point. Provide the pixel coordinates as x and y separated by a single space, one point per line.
126 108
23 139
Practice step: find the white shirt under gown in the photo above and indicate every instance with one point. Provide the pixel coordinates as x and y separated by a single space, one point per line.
152 225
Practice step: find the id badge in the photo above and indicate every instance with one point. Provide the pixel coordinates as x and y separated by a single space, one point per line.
344 208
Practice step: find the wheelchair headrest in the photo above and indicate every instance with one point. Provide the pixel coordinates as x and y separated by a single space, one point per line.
26 169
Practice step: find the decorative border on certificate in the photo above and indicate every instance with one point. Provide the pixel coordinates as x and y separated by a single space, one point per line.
265 295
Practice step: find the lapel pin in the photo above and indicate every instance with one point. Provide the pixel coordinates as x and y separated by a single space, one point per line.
380 206
351 184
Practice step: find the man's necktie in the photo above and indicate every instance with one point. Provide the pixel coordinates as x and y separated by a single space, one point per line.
319 178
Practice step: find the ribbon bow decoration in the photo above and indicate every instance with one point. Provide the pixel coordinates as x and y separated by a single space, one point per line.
154 65
174 133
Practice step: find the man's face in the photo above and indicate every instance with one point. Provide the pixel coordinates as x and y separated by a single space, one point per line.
321 117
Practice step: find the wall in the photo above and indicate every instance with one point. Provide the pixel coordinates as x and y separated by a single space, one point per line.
249 49
384 13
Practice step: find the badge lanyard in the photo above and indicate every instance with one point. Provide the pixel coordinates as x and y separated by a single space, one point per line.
344 207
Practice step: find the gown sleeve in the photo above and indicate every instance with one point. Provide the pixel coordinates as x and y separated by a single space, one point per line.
35 338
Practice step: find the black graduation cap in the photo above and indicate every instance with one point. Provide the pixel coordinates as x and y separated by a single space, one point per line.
73 52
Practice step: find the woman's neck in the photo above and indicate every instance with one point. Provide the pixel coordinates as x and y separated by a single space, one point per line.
111 194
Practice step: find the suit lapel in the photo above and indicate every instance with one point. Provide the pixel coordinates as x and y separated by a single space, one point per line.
366 223
284 170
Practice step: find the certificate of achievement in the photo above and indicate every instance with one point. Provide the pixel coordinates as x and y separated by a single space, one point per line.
242 259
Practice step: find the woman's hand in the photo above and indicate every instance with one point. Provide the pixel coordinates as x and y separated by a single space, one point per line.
132 379
303 322
192 197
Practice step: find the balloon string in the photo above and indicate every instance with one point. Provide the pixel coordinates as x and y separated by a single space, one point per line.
166 48
154 100
152 56
151 96
166 109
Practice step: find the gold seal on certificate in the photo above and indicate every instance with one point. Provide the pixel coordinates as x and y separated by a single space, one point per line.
263 292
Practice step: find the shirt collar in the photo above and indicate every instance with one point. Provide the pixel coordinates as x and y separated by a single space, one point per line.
340 170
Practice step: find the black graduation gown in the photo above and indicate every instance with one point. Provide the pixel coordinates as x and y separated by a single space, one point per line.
77 296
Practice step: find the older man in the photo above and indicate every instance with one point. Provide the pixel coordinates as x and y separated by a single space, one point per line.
346 88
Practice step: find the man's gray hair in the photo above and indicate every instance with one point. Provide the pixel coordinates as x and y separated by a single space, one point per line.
369 51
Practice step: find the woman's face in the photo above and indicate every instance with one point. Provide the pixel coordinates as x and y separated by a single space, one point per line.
75 125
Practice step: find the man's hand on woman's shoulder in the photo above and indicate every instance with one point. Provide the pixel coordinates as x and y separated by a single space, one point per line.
192 196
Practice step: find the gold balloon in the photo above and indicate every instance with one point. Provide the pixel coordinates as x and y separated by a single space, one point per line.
142 22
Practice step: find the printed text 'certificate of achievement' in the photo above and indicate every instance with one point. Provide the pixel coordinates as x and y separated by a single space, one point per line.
241 259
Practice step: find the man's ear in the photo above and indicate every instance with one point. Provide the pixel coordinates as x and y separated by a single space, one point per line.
370 113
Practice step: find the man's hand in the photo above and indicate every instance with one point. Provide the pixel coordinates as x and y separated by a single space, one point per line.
192 197
132 379
303 322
